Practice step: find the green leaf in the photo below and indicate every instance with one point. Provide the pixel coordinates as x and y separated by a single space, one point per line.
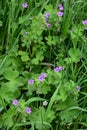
35 61
68 116
51 40
13 85
69 102
8 118
24 56
53 98
42 123
5 94
68 60
22 19
77 31
43 89
10 74
63 96
39 54
65 90
11 61
49 8
34 99
75 54
39 57
50 116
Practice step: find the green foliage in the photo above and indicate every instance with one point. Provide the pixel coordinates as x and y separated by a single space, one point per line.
24 56
6 95
8 118
10 74
75 55
30 51
68 116
42 122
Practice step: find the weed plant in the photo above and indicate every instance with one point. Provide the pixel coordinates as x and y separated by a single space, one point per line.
43 65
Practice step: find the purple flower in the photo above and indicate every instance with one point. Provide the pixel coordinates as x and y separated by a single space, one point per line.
31 81
41 77
61 8
47 16
60 5
84 22
48 25
57 69
78 88
24 5
28 110
25 33
60 14
15 102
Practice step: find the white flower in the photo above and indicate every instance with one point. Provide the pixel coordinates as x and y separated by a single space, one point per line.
45 103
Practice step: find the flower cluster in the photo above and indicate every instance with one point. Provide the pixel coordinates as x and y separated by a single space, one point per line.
60 14
42 77
16 102
60 7
59 68
47 17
